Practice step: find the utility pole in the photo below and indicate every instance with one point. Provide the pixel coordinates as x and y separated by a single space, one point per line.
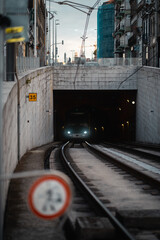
10 61
49 36
35 28
1 80
45 50
53 41
156 32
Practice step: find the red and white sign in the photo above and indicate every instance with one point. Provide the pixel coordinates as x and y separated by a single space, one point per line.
49 196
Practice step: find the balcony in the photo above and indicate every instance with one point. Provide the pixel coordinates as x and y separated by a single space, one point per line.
119 17
119 50
121 12
118 33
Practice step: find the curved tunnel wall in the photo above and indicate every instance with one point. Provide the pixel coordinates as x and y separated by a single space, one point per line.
35 118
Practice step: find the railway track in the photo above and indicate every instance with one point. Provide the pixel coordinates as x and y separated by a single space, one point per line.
145 152
95 214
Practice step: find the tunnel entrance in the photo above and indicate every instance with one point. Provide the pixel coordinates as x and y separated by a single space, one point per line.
111 114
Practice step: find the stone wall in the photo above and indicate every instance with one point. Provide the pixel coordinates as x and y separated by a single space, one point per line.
35 125
148 105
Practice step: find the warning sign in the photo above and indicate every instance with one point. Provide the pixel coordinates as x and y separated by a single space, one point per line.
32 97
49 197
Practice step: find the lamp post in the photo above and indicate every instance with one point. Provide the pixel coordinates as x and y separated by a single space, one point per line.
49 37
56 49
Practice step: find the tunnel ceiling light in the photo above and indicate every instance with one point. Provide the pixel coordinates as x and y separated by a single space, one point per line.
133 102
122 124
120 109
128 100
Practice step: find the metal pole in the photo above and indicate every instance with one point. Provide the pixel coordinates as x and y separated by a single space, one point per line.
2 71
55 43
45 47
49 30
156 33
35 29
56 39
53 40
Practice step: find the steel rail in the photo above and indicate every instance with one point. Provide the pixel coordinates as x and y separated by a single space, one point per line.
104 210
136 151
141 175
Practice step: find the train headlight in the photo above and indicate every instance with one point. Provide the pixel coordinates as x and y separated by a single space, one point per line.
85 132
68 132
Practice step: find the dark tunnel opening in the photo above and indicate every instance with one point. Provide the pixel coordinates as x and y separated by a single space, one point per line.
110 114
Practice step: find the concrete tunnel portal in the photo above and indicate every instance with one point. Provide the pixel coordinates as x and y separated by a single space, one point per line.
112 112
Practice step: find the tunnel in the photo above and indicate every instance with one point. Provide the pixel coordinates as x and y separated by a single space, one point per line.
111 114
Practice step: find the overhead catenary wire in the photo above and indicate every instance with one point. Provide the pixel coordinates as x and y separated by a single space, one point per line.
82 50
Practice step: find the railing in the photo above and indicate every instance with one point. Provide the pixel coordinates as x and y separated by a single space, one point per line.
120 61
27 63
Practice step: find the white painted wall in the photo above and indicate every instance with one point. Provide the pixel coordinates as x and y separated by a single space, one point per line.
36 118
148 105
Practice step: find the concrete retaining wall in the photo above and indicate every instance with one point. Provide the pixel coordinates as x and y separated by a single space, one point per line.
94 77
36 118
148 105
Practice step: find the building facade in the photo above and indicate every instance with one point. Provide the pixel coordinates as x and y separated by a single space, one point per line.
122 31
26 49
137 30
105 28
151 33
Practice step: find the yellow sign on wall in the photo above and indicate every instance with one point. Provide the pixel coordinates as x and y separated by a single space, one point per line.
32 97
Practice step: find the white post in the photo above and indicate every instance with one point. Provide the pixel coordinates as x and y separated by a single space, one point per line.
35 29
56 23
2 71
53 40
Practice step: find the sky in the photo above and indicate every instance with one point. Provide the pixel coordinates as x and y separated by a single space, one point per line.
71 28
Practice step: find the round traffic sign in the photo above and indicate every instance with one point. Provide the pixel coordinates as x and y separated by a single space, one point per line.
49 196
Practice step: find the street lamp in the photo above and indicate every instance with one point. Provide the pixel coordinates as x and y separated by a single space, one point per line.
52 13
56 49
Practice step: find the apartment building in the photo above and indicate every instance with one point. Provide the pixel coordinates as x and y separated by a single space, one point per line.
122 31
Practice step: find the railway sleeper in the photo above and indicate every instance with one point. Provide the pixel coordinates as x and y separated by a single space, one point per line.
90 228
141 219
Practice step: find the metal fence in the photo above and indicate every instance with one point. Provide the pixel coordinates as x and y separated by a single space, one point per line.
120 61
27 63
